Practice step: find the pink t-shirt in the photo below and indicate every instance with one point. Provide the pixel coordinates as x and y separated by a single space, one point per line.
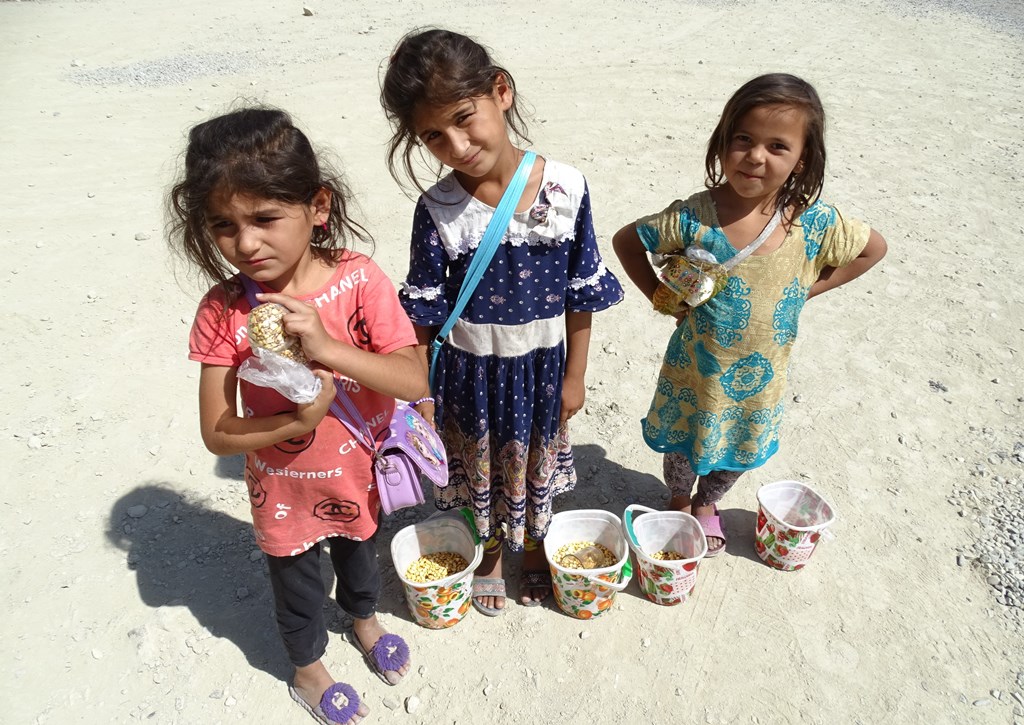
307 489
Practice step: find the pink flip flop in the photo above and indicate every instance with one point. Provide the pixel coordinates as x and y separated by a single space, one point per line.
712 526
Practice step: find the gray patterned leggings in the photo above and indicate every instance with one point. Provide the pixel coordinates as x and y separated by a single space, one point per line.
680 477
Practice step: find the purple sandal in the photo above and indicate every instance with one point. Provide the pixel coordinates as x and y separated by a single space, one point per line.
387 655
339 704
712 526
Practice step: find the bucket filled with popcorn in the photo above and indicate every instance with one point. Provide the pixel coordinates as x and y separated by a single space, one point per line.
791 518
668 546
589 561
435 560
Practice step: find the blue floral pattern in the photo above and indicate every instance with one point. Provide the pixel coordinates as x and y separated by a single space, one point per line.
787 312
718 399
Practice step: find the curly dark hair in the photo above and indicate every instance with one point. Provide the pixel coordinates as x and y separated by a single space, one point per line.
435 67
803 187
256 151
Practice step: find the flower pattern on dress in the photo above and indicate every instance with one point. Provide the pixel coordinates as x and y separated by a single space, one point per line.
787 312
726 314
747 377
498 410
815 221
422 293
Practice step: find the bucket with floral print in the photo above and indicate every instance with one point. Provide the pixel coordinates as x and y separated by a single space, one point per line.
586 593
791 518
665 533
442 603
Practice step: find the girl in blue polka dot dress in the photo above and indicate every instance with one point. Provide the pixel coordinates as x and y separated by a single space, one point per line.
718 405
511 373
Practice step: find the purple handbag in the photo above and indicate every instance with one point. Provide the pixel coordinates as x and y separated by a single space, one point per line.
412 448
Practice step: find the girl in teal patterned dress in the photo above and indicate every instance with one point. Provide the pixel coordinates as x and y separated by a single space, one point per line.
718 405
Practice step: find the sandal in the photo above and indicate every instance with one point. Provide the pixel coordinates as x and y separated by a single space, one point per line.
339 704
484 586
388 654
538 579
712 526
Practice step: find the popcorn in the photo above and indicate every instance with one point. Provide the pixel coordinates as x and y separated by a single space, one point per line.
267 332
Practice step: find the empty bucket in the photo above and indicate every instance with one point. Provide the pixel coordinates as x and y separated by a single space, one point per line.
791 517
442 603
586 593
671 581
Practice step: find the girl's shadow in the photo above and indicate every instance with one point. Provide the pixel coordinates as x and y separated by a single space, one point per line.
185 554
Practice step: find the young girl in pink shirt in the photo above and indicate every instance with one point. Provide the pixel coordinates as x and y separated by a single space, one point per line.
254 198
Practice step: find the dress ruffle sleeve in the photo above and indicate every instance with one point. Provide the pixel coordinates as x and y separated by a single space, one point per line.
423 292
592 287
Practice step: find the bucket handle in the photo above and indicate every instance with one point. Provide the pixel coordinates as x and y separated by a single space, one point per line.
627 575
627 522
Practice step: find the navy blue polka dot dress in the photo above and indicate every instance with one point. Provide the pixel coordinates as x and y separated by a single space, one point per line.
499 377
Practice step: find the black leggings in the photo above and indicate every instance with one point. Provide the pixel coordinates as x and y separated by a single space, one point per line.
711 488
299 593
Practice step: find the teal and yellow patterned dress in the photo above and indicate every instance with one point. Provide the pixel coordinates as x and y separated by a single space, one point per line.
719 394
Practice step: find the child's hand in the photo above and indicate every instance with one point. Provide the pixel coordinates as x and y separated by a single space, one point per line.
574 392
310 414
426 409
302 321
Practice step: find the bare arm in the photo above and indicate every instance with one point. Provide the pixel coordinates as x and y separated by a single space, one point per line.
577 345
225 433
425 336
633 256
832 277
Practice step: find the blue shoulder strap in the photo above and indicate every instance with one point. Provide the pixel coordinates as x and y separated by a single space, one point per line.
482 258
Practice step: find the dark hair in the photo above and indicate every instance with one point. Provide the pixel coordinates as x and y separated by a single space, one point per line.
260 152
436 67
803 187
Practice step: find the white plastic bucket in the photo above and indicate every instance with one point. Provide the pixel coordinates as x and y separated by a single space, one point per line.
586 593
791 517
665 582
442 603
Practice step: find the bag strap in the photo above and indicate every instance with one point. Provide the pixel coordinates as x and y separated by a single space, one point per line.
752 247
342 407
484 253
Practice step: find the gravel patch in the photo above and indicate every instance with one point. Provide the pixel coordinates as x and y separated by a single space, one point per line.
170 71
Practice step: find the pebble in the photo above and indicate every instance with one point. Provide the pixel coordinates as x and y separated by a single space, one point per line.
307 12
584 635
76 63
412 704
137 512
97 654
242 592
645 642
959 560
35 442
391 703
488 690
798 398
983 702
230 701
141 236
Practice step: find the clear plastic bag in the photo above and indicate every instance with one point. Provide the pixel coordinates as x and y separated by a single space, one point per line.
291 379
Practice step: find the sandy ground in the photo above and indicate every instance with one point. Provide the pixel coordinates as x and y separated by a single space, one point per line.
166 618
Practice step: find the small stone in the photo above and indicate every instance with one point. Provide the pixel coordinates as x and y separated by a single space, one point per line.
137 512
584 635
76 63
308 12
488 690
91 195
959 560
141 236
35 442
798 398
996 694
645 642
391 703
412 704
97 654
242 592
983 702
230 701
90 295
